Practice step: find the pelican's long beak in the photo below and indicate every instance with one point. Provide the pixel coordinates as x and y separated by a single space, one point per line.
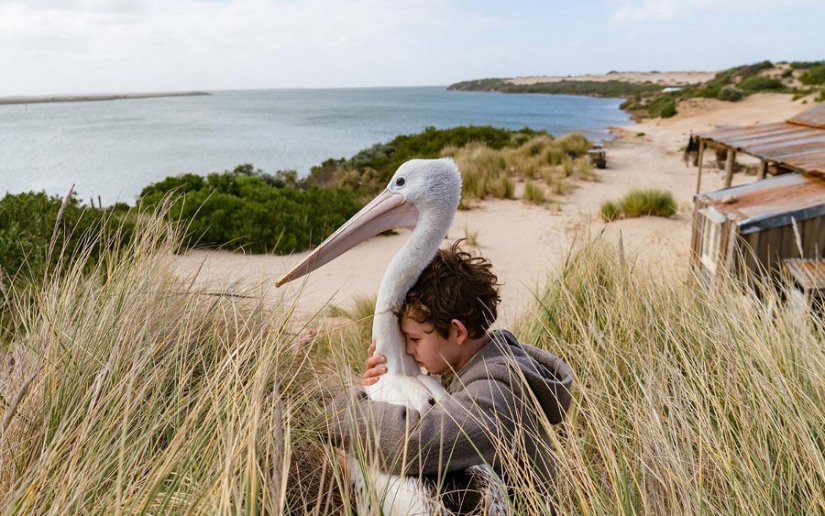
387 211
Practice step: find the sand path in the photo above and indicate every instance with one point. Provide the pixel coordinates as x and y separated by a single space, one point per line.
524 242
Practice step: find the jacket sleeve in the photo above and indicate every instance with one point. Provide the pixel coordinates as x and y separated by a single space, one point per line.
457 432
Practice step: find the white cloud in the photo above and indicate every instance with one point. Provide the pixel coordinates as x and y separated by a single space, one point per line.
635 11
49 46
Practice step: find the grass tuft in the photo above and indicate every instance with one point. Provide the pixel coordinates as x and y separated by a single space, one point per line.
640 203
533 193
470 236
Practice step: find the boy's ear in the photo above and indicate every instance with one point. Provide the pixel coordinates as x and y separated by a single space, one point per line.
459 330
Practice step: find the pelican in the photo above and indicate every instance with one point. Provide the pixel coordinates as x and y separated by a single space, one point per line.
422 195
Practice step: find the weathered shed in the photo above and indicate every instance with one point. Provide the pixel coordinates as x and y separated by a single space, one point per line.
795 145
755 227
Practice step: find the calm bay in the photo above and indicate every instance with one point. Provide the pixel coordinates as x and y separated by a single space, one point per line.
113 149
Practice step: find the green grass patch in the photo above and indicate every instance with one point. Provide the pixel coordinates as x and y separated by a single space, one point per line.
640 203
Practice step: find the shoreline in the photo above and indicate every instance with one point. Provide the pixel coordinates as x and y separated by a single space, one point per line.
646 155
43 99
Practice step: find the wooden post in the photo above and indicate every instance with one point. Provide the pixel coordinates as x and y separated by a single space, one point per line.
701 161
729 167
763 169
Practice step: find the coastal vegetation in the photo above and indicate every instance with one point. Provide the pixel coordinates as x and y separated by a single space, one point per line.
368 171
730 85
639 203
649 100
610 88
251 210
132 392
247 208
41 235
541 160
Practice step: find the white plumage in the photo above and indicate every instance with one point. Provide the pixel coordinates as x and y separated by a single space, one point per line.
424 195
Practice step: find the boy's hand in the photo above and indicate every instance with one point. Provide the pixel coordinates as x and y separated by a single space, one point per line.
375 366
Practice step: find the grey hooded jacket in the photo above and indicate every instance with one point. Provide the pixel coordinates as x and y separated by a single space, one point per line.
490 416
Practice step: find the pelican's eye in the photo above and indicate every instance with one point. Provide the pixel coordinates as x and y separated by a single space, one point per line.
400 181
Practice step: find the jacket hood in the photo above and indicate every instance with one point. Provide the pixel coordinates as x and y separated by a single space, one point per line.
549 378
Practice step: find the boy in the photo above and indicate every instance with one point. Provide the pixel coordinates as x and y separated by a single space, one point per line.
497 387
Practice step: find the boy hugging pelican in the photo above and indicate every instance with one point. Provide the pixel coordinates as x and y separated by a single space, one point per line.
503 395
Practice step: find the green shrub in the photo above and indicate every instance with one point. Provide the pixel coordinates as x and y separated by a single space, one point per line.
669 109
730 94
35 247
813 76
804 65
664 106
533 193
236 210
760 83
27 224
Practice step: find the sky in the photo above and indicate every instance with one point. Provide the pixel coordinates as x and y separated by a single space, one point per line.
107 46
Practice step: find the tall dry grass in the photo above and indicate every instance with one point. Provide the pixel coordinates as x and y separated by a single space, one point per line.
686 402
556 162
132 392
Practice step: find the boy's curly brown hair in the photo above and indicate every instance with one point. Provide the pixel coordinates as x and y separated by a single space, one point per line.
455 285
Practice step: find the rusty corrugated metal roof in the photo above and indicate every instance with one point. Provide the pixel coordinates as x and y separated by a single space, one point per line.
814 117
798 143
771 202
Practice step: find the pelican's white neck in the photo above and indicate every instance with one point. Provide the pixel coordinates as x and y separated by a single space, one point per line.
402 273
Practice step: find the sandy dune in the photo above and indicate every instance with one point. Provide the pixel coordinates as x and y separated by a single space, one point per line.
525 242
661 78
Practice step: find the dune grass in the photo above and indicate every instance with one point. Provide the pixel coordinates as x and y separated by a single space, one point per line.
640 203
132 392
533 193
488 172
685 402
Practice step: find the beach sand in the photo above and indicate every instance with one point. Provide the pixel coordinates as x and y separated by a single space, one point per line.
525 243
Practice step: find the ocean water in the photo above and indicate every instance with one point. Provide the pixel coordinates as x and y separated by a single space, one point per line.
113 149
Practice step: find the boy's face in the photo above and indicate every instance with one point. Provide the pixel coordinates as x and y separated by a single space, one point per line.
429 349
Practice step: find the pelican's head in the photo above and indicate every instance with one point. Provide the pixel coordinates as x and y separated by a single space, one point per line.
418 187
428 184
